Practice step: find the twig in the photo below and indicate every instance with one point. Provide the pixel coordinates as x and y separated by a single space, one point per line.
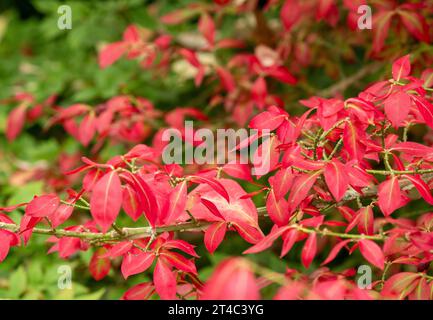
125 233
341 86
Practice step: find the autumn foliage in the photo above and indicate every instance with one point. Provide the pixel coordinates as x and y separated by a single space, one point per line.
343 171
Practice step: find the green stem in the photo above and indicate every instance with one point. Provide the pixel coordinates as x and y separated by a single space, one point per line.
336 125
399 172
337 145
75 205
326 232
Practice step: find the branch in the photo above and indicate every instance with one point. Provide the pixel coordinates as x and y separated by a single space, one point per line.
115 235
326 232
372 191
120 234
341 86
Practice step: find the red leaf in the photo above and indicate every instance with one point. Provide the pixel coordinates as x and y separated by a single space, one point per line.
351 142
190 56
334 252
358 177
134 264
266 156
238 170
213 183
212 208
278 210
146 197
413 148
15 122
415 24
238 210
336 178
324 9
99 266
131 33
87 129
401 67
389 194
397 107
43 206
247 141
164 280
259 92
130 203
206 26
233 279
4 245
247 232
91 163
141 291
68 246
398 164
26 227
176 16
281 74
313 222
181 245
62 213
178 261
141 151
91 177
289 239
111 53
4 218
300 188
106 200
372 252
422 291
214 235
71 111
119 249
300 124
309 250
366 220
226 79
425 108
381 23
290 13
12 208
400 285
267 241
421 186
267 120
281 182
427 77
176 203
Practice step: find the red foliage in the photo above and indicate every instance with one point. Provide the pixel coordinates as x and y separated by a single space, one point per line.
349 155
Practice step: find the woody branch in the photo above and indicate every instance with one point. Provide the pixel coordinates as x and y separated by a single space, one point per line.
126 233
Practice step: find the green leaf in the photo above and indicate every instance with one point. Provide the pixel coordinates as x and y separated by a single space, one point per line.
97 295
25 193
35 272
17 283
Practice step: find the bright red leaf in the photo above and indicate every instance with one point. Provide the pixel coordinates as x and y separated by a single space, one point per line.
106 200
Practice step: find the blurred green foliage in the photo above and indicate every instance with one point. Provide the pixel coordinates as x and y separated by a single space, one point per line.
39 58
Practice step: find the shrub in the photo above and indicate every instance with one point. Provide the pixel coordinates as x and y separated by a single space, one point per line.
346 182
